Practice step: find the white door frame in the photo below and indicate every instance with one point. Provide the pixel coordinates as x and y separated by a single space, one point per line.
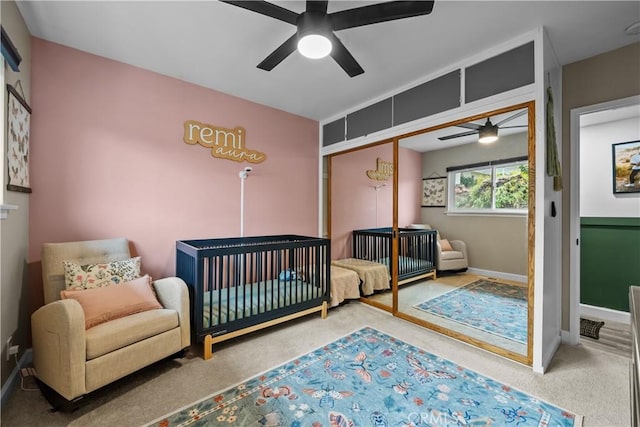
574 212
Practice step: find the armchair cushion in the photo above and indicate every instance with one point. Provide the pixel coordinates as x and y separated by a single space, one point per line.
122 332
91 276
101 305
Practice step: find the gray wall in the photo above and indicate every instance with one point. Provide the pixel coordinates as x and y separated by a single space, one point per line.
606 77
496 243
14 231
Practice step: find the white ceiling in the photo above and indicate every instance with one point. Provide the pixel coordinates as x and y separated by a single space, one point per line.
429 141
218 46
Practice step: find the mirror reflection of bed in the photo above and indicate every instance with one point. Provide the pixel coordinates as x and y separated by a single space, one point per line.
486 207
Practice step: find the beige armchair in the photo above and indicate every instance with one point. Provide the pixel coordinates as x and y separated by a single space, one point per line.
72 361
452 260
449 259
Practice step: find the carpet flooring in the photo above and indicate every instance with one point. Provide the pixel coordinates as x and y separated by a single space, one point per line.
581 379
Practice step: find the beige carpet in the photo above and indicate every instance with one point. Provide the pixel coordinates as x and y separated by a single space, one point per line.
581 379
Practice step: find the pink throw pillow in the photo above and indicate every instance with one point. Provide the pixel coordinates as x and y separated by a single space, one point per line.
101 305
445 245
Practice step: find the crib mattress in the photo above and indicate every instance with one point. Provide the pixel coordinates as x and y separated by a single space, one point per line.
374 276
241 302
345 284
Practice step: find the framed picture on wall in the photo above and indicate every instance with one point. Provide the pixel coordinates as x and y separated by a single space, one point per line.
626 167
18 120
434 192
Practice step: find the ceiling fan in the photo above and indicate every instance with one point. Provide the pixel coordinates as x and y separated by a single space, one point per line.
487 132
315 36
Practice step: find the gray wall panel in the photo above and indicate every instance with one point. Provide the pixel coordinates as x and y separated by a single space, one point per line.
509 70
432 97
333 132
369 119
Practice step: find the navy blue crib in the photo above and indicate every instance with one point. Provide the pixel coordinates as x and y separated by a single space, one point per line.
240 285
417 251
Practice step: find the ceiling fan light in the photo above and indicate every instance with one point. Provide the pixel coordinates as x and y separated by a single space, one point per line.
314 46
488 134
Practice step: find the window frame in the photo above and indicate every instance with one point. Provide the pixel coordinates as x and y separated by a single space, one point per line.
493 165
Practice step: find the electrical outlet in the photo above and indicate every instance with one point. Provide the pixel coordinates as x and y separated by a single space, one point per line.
8 346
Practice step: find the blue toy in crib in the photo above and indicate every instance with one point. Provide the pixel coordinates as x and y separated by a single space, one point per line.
287 275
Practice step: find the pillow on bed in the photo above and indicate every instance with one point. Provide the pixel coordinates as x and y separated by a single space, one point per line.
92 276
445 245
101 305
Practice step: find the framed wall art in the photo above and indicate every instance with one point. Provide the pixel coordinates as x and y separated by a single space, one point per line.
626 167
434 192
18 121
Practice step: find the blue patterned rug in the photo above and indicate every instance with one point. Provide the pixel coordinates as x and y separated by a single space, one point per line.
369 378
493 307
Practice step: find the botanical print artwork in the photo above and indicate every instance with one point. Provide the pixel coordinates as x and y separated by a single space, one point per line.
369 378
494 307
18 120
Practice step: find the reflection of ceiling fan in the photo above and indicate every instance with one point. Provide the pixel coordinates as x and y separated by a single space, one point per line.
315 37
487 132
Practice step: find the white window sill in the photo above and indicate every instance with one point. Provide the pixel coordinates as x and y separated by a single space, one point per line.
486 213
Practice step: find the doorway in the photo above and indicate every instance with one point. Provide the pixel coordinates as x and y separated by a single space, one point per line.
618 111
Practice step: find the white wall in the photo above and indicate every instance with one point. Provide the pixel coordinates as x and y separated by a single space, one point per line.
596 174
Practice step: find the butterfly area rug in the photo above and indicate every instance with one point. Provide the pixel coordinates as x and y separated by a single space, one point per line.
493 307
369 378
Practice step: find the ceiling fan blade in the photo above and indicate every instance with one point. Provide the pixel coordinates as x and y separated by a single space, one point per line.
513 127
278 55
381 12
344 59
457 135
317 6
516 115
267 9
469 126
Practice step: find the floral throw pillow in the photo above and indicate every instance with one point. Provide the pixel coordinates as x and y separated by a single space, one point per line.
92 276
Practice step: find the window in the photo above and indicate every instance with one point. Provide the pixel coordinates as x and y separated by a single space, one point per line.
494 187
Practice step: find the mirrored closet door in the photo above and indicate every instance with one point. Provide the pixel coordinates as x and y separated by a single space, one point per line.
475 194
451 220
361 219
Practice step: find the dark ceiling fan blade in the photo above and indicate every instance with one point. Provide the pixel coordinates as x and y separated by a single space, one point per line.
317 6
514 116
457 135
344 59
381 12
513 127
267 9
469 126
278 55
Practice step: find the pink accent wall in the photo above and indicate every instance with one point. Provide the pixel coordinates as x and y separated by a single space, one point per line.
108 160
409 187
353 194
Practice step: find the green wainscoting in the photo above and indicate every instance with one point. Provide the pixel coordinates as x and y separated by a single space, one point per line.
609 261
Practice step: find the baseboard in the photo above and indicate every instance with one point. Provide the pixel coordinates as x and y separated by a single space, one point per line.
567 338
14 378
498 275
604 313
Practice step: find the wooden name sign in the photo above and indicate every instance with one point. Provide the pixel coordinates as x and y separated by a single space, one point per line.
224 143
382 172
